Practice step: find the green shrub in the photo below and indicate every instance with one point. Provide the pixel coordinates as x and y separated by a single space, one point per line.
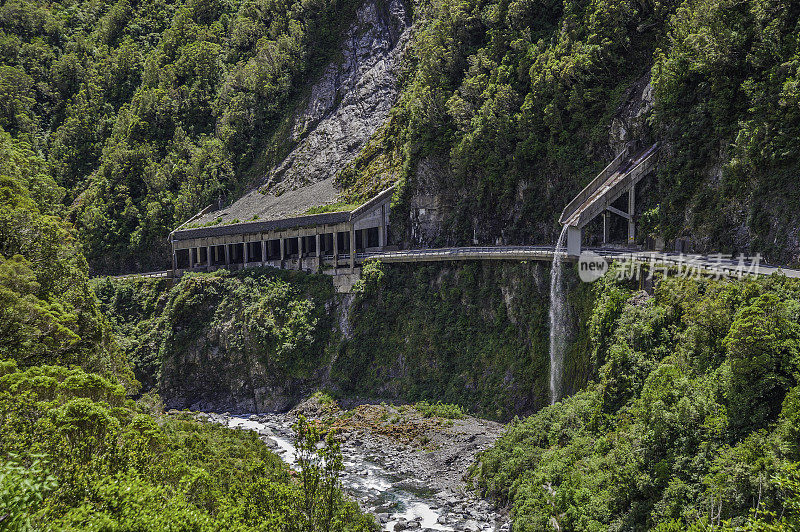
440 409
92 466
23 489
323 398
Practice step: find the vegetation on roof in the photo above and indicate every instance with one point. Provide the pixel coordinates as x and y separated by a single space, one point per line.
333 207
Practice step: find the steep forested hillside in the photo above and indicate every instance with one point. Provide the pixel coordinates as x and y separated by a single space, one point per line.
48 312
689 418
76 452
728 103
253 341
473 334
147 111
119 120
692 420
514 105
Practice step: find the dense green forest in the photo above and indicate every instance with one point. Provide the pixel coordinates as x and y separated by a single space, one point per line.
518 98
692 420
76 452
147 111
120 120
77 455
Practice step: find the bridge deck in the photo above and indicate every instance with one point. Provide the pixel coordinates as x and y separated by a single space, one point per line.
708 264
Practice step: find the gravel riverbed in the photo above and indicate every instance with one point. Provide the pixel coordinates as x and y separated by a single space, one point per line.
403 467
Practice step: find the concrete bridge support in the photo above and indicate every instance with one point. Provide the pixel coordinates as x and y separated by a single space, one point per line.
598 197
574 237
631 212
319 250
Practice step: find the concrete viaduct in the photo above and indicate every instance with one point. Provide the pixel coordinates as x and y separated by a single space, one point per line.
339 242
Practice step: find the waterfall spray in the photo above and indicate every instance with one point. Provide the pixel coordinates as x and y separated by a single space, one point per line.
558 328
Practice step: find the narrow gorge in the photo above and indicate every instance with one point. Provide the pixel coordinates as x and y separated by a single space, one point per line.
387 265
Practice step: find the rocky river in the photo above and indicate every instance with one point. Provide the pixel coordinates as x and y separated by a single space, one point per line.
403 467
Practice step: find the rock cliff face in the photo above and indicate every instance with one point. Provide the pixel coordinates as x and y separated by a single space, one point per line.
212 373
351 99
630 121
428 204
474 333
215 355
235 342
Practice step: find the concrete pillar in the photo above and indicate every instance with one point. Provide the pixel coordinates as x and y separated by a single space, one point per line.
631 211
319 249
300 242
352 248
574 241
208 258
606 227
283 251
364 239
264 245
191 258
174 260
227 254
382 228
335 251
246 257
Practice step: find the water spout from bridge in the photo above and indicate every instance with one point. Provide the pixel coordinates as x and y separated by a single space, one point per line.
558 326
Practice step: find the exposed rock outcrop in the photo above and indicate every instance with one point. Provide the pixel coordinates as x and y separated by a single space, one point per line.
350 101
630 121
428 203
212 374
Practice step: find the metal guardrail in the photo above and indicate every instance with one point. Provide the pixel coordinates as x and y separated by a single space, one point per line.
462 253
707 263
163 273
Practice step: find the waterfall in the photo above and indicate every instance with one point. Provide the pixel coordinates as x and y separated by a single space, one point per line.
558 329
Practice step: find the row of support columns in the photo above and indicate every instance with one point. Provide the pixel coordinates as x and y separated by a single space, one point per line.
631 212
210 256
